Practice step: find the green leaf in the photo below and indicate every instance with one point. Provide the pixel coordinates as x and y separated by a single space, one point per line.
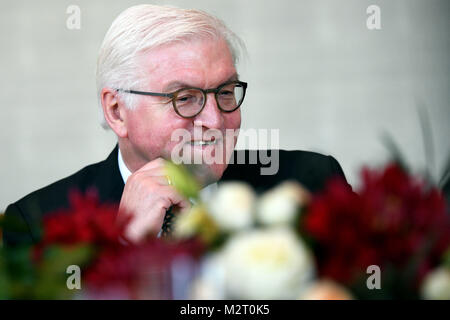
52 276
183 180
13 223
394 151
427 139
445 176
446 258
17 272
57 258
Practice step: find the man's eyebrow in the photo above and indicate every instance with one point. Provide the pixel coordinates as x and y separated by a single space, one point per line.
172 86
175 85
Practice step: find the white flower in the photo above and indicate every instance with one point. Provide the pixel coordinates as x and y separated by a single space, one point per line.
232 206
196 221
436 285
266 264
186 224
281 204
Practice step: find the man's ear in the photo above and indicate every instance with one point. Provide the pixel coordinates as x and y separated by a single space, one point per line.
114 111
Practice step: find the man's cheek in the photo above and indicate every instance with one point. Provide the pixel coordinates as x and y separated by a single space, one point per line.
237 119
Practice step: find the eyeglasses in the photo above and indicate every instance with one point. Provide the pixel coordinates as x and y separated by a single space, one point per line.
189 102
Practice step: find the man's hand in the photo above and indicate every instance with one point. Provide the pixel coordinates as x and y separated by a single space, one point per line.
146 197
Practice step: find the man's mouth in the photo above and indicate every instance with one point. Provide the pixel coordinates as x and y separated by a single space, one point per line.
203 142
210 142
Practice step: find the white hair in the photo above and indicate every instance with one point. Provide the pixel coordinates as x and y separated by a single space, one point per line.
141 28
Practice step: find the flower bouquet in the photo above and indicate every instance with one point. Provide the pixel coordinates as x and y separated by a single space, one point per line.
84 254
388 240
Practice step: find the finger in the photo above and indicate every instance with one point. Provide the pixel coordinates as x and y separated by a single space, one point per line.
184 206
150 175
161 180
174 197
155 171
143 225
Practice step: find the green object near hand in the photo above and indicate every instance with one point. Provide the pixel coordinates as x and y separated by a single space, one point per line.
183 180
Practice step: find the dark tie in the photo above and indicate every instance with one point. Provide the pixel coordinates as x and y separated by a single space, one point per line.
167 224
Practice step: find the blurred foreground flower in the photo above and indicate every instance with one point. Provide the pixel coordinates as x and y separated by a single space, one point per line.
144 271
280 205
87 235
395 222
266 264
436 285
238 245
232 206
86 221
196 222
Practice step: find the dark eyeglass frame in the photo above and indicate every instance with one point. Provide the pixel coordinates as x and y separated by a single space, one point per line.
173 96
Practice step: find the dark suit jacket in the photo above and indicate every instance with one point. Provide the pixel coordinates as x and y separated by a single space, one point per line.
309 168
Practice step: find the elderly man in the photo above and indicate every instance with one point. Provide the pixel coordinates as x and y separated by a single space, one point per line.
161 70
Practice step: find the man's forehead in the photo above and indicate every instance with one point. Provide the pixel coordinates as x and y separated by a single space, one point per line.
188 64
176 53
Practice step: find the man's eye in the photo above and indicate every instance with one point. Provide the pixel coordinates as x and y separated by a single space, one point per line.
185 99
226 93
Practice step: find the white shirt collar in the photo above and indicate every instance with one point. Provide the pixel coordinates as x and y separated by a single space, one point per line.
124 171
205 193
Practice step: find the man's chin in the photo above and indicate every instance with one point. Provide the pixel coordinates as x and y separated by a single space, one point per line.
207 173
216 171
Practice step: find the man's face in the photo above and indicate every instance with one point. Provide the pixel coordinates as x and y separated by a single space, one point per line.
199 63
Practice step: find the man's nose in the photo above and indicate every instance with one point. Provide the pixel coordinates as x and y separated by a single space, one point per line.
211 116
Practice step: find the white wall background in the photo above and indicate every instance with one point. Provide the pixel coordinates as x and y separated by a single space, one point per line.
314 71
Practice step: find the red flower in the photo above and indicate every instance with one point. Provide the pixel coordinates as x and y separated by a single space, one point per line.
142 271
85 221
117 266
392 219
